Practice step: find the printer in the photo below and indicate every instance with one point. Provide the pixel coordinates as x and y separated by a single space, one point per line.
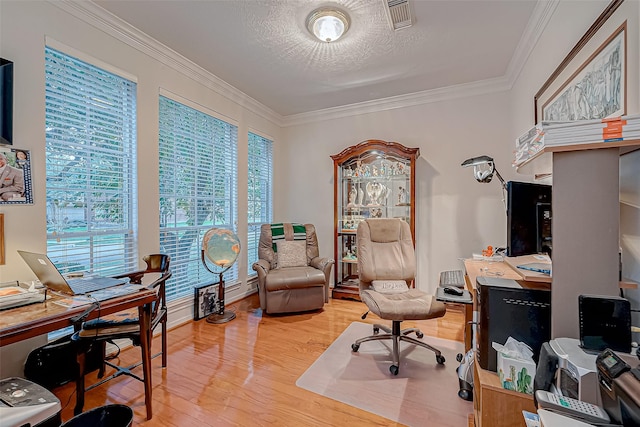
25 403
620 387
565 368
577 376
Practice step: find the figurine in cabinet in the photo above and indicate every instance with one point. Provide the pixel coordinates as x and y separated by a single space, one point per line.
402 196
352 197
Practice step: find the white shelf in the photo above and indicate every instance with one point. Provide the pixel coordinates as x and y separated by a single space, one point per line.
541 163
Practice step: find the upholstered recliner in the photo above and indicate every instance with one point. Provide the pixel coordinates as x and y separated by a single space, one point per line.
386 268
292 277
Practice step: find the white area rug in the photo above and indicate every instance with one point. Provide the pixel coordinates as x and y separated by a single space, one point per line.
422 394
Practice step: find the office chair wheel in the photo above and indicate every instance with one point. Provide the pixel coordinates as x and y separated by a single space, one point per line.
394 369
355 348
376 330
419 334
440 359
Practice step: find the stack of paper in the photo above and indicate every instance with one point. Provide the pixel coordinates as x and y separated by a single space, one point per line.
591 131
529 143
547 133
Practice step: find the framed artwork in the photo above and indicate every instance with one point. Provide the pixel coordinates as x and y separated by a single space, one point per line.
15 178
206 301
591 82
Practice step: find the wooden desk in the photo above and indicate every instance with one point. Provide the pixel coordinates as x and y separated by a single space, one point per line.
20 323
504 270
493 405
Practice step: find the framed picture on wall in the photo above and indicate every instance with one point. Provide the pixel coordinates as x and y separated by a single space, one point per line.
206 301
591 82
15 176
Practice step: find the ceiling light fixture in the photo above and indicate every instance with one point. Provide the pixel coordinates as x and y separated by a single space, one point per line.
328 24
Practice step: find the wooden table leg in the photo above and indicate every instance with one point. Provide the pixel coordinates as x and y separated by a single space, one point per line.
468 316
468 327
80 359
144 316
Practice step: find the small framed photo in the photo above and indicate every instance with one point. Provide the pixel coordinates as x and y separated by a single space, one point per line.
15 178
205 301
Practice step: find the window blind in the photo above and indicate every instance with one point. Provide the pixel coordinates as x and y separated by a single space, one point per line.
198 190
259 194
90 167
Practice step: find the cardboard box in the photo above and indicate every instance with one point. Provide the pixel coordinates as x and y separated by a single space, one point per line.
516 374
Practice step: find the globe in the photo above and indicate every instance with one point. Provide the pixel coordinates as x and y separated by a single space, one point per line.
221 247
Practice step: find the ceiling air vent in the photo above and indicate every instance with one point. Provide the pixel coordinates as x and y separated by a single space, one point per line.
399 13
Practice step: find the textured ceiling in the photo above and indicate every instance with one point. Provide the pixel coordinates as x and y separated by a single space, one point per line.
263 48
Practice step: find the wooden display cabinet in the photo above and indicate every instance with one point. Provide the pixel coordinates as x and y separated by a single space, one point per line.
373 179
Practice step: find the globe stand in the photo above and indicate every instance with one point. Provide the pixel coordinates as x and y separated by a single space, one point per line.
221 316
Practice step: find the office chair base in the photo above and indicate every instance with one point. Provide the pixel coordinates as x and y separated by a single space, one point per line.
217 318
377 327
397 335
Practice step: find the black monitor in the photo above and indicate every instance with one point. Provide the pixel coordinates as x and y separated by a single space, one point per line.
528 218
6 101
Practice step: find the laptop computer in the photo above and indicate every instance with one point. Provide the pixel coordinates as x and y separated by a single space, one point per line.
51 277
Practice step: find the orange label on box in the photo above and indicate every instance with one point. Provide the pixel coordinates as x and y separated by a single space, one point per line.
616 125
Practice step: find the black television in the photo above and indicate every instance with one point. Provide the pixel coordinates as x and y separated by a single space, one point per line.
6 101
528 218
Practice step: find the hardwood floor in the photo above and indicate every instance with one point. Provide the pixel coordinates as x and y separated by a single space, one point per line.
243 373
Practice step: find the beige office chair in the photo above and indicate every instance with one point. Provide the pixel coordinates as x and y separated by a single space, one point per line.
386 268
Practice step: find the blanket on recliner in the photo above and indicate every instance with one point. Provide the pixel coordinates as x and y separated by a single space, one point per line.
287 231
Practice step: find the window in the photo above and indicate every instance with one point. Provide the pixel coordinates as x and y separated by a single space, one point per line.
260 193
90 167
198 190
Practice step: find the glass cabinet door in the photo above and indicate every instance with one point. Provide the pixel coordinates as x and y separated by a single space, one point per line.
374 179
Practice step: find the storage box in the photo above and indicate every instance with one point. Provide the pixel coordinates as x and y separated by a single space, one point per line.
15 294
516 374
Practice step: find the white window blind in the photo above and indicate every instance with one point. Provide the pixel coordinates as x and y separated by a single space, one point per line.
198 190
90 167
260 193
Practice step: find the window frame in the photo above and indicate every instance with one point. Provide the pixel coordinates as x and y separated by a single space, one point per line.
108 159
266 180
190 264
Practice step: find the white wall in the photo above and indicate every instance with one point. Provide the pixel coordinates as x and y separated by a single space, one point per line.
455 215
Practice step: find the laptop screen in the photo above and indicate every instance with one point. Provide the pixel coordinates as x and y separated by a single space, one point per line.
46 272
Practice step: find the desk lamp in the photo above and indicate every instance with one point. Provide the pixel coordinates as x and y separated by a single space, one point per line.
221 247
483 169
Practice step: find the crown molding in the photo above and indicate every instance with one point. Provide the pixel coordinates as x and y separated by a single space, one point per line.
465 90
541 16
98 17
105 21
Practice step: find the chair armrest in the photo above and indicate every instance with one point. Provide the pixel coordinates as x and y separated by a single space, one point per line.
324 264
261 267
